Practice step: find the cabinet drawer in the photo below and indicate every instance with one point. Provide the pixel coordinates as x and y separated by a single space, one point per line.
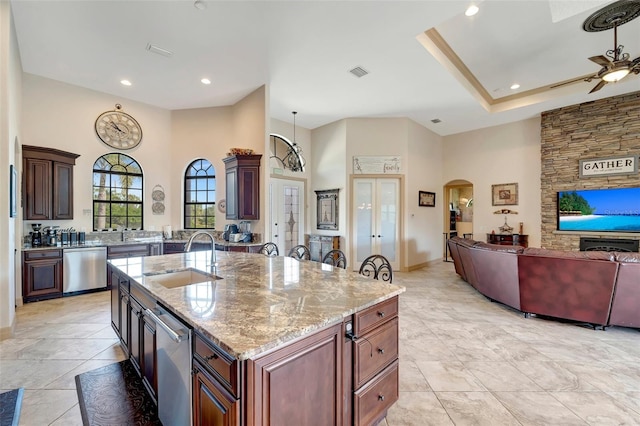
221 365
42 254
372 401
374 351
130 250
170 248
372 317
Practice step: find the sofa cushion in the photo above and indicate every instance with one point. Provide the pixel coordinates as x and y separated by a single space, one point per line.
627 257
499 247
467 242
566 254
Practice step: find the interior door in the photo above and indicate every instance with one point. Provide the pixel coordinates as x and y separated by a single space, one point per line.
375 218
287 203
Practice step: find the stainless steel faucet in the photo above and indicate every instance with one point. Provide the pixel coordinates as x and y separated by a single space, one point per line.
214 261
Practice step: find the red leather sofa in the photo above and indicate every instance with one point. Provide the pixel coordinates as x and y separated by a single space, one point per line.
599 288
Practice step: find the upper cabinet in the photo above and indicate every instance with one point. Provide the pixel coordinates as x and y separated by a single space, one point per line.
243 186
48 183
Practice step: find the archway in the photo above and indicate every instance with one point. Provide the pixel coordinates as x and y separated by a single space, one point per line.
458 210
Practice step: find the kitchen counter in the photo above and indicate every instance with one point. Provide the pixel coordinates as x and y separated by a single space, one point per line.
260 302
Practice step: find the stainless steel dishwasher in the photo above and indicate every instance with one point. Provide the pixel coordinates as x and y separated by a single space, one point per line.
84 269
173 352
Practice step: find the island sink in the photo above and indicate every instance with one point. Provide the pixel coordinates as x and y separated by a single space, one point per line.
181 278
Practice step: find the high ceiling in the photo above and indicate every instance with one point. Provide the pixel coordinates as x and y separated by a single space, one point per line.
303 50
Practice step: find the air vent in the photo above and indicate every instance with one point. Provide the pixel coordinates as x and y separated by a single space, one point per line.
359 72
159 50
436 120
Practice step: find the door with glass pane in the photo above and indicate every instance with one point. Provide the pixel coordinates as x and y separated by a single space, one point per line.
287 213
375 218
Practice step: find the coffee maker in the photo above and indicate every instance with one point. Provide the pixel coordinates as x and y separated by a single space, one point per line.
36 235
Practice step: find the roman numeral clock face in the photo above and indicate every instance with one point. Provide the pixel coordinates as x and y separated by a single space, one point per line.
118 130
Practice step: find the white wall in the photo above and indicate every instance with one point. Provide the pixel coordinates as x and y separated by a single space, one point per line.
10 108
495 155
62 116
329 171
423 236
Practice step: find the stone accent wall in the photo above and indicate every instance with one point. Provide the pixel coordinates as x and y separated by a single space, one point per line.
604 128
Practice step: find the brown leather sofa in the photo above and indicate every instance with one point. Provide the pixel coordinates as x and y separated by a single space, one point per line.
575 285
464 246
496 270
625 309
599 288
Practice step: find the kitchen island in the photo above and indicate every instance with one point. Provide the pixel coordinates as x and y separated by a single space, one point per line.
275 340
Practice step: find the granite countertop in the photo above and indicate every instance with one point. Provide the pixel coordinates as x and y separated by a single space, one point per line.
90 244
218 242
260 302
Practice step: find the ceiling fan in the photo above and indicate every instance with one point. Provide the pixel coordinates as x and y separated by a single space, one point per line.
615 65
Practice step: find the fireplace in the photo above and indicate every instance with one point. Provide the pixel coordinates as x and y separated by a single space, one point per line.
608 244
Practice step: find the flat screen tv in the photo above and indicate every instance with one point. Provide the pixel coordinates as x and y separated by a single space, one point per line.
608 210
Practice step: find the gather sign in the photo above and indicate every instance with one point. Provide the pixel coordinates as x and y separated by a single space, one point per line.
609 166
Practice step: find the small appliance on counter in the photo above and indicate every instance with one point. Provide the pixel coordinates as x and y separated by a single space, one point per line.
50 236
36 235
245 231
229 230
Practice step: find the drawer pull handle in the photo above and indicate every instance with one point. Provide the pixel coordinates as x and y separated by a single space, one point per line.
381 314
381 351
210 357
380 397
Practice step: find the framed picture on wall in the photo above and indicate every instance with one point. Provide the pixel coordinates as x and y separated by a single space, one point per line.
426 199
504 194
327 214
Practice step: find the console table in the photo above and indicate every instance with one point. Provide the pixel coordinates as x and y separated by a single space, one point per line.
508 239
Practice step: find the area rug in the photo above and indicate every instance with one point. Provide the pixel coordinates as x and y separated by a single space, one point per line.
115 395
10 404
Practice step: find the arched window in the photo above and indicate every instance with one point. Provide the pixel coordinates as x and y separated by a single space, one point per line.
200 195
117 193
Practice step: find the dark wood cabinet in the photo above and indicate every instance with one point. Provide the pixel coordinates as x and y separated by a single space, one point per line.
375 382
213 405
320 245
311 367
508 239
171 247
242 174
134 250
41 274
136 331
48 183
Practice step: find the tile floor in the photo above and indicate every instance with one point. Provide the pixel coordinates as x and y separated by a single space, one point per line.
463 360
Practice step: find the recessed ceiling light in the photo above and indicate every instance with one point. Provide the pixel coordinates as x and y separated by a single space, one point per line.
125 82
200 5
205 81
471 10
515 86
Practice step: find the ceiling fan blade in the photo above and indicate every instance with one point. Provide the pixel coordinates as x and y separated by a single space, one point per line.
586 78
598 86
600 60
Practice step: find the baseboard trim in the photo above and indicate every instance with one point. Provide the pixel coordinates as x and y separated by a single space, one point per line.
8 332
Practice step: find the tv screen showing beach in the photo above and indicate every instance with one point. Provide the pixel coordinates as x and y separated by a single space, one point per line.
609 210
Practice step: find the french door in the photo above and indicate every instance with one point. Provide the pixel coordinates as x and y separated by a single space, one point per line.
287 213
375 219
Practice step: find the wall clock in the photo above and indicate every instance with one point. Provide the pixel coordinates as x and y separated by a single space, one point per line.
118 129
